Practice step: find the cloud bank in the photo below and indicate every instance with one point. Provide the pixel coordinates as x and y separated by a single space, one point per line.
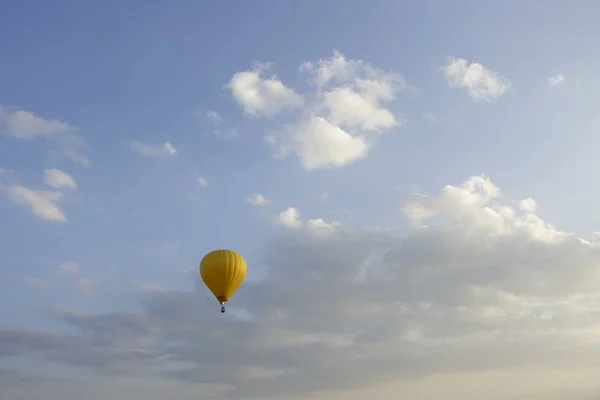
477 287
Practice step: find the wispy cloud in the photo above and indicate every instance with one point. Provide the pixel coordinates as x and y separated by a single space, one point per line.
70 147
153 150
44 204
69 268
214 117
220 128
149 288
202 181
59 179
257 199
25 125
556 80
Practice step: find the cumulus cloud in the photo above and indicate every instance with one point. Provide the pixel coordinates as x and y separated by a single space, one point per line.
260 96
257 199
58 179
291 218
528 205
153 150
486 292
25 125
556 80
318 225
44 204
319 143
480 82
335 124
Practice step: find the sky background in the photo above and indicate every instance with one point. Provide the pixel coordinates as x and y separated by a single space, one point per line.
412 186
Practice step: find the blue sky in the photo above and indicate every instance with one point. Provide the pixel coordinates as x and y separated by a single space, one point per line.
133 134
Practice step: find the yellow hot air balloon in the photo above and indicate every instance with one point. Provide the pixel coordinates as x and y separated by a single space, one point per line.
223 271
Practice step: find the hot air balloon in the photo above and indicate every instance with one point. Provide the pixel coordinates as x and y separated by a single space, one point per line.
223 271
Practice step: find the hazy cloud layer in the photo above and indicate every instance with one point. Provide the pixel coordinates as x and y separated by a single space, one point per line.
485 289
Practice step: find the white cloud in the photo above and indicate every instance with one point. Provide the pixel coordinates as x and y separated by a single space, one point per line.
528 205
26 125
556 80
262 96
69 268
152 150
477 298
170 149
337 123
59 179
202 181
319 226
471 194
370 80
471 205
257 199
290 218
44 204
480 82
319 143
355 110
214 117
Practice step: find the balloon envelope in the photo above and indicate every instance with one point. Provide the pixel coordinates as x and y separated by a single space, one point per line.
223 271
